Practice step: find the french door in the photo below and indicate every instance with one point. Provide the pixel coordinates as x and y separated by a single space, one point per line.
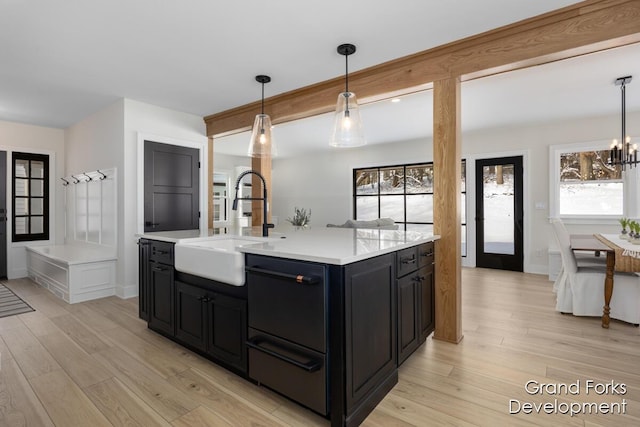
499 213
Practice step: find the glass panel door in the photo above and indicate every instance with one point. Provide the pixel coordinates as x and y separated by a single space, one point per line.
499 213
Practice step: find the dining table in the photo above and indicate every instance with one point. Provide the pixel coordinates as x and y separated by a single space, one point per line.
619 258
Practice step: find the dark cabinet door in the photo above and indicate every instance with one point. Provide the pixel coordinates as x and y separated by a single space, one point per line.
370 326
143 279
161 301
227 330
191 315
427 308
408 315
171 187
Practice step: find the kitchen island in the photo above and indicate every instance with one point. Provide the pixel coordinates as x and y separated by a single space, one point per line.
325 317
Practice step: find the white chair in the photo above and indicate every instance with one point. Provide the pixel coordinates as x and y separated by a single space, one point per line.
584 259
582 291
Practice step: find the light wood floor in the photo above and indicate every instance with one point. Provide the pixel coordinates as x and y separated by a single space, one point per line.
96 363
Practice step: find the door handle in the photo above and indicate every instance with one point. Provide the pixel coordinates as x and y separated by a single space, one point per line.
151 224
407 260
311 366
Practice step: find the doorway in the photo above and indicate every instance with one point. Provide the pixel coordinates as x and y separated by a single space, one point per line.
499 213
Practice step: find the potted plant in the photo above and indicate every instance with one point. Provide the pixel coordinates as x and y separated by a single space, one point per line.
634 236
301 217
624 222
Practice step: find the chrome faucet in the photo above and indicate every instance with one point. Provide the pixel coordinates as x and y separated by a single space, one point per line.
265 225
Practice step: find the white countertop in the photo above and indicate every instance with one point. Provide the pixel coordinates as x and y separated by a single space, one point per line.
337 246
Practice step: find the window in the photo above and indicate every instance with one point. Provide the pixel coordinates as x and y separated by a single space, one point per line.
584 185
30 197
403 193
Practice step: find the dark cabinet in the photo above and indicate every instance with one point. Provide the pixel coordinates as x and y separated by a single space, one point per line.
161 292
143 279
408 316
370 328
161 297
191 311
426 277
415 297
212 323
288 328
227 330
208 316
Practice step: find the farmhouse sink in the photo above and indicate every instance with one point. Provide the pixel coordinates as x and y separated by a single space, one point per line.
217 258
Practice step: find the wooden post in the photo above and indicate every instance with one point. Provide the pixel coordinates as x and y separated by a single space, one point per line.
446 208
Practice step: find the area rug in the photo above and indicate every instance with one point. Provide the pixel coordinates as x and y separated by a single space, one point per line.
11 304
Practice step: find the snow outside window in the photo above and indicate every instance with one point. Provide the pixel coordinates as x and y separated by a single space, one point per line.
585 185
403 193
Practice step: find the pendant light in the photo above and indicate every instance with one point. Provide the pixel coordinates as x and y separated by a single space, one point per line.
623 152
347 127
262 144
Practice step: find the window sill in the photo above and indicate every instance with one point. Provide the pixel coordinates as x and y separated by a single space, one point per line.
590 220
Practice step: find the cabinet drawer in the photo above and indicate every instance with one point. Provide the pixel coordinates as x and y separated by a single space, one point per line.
288 299
406 261
161 252
425 254
297 372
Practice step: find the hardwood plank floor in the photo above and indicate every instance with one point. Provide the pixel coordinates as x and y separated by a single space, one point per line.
96 363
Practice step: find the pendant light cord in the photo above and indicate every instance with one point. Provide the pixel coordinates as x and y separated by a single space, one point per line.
623 140
346 71
262 105
346 84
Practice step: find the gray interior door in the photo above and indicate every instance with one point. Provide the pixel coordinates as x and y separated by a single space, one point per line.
171 187
3 214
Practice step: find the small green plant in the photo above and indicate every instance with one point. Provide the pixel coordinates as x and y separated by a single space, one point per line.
634 226
624 222
301 217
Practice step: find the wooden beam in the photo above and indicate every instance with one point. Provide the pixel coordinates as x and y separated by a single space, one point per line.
585 27
447 154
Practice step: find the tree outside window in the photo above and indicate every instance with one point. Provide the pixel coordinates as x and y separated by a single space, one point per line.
588 185
403 193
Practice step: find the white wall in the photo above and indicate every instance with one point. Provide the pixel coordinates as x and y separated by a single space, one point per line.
324 185
42 140
96 141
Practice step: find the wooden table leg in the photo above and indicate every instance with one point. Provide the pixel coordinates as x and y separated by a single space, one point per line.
608 288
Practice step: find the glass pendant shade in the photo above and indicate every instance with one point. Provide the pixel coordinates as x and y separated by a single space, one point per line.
262 144
347 125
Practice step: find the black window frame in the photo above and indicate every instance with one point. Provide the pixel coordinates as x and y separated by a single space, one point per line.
403 224
28 237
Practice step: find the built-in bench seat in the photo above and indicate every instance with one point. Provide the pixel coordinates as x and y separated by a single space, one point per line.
74 272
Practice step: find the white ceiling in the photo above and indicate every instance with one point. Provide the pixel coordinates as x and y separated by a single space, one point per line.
63 61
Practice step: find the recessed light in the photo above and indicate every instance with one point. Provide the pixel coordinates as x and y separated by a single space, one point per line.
395 100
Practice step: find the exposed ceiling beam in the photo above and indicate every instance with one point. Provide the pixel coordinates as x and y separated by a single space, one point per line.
585 27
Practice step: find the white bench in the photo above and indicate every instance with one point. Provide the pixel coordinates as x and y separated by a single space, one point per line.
74 272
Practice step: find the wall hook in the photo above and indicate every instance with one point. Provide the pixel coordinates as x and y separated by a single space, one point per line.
65 182
102 176
75 180
89 178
